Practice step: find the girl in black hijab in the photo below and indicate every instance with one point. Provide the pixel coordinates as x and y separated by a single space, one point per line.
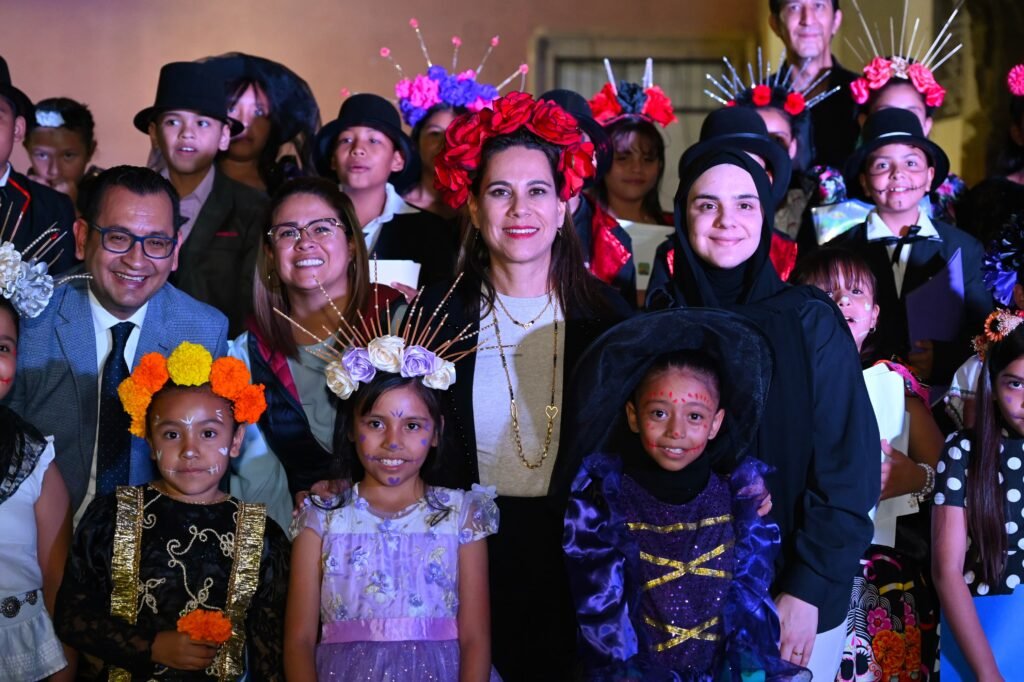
818 430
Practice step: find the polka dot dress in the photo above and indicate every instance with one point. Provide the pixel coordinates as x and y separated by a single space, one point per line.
951 489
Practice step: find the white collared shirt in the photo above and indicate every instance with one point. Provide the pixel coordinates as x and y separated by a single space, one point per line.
394 205
877 229
102 323
7 174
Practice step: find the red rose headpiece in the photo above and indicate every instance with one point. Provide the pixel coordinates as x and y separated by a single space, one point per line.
909 61
465 137
769 89
1015 80
645 100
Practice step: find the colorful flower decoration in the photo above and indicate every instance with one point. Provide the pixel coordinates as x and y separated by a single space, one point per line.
441 86
24 275
908 60
1004 258
203 625
768 89
190 365
998 325
645 100
1015 80
465 138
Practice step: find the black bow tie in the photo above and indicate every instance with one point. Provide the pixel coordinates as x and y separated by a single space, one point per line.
909 238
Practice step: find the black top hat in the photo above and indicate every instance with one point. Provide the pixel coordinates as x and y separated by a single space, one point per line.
22 104
610 369
371 111
189 86
893 126
743 129
577 105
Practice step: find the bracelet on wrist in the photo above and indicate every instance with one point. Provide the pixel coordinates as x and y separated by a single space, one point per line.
929 483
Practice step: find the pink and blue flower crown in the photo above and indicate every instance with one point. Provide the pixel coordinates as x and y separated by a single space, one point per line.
443 86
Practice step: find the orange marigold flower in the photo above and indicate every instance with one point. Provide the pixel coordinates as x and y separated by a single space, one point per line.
250 404
135 400
228 377
205 626
889 651
151 372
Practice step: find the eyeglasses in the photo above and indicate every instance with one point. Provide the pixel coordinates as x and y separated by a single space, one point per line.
320 230
120 240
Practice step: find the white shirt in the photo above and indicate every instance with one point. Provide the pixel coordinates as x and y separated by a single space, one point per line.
877 229
7 174
394 205
102 322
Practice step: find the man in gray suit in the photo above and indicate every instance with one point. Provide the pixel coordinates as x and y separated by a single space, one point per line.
72 356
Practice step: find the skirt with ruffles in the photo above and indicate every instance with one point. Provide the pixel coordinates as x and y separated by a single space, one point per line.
423 661
29 648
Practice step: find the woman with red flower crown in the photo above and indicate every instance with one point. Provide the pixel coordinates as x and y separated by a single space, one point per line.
526 291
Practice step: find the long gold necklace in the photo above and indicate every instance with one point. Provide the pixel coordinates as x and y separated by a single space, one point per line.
524 325
551 410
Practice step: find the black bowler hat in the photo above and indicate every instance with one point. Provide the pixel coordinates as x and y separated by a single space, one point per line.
190 86
893 126
370 111
577 105
743 129
22 104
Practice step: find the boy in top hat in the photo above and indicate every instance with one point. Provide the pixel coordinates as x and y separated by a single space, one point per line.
369 154
895 166
223 218
32 207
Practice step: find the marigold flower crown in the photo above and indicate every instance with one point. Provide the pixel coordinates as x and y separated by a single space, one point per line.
411 348
440 86
768 89
24 275
190 365
645 100
465 137
998 325
909 60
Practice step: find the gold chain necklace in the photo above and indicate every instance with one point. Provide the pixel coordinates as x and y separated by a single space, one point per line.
524 325
551 410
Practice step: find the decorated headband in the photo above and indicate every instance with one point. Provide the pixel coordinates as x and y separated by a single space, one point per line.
190 365
998 325
465 137
439 86
645 99
410 349
1015 80
24 276
768 87
909 60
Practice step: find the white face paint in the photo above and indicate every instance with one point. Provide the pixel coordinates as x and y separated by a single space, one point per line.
220 414
214 469
190 454
159 454
223 451
188 421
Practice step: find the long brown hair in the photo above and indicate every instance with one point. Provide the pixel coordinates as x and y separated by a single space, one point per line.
575 287
986 497
268 292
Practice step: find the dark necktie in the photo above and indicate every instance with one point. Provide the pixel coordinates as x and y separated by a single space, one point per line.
113 439
909 238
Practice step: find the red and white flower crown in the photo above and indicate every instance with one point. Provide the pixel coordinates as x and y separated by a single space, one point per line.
908 60
768 87
645 100
465 137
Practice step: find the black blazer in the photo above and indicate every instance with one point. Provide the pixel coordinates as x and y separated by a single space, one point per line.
459 468
422 237
927 258
44 208
217 261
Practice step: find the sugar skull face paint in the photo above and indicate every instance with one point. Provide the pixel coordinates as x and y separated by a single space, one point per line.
189 440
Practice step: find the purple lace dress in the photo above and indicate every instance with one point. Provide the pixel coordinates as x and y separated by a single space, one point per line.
389 594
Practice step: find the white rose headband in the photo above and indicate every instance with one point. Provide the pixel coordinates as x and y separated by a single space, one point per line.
410 349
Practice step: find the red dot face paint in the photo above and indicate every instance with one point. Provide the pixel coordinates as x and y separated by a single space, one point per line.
676 417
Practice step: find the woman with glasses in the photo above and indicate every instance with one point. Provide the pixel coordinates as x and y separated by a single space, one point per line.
311 269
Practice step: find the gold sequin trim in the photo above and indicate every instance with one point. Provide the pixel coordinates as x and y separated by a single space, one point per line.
245 577
676 527
681 635
124 563
694 567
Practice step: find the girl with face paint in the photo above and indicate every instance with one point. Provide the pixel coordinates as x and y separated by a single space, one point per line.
900 559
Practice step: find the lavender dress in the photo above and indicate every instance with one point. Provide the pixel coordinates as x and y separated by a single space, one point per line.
389 595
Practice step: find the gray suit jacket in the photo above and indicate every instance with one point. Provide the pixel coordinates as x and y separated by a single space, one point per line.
56 386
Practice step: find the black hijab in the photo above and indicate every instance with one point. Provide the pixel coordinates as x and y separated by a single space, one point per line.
699 283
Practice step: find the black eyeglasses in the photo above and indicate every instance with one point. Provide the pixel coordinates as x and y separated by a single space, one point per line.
319 230
120 240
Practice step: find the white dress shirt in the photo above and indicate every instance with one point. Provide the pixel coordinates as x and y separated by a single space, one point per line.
394 205
877 229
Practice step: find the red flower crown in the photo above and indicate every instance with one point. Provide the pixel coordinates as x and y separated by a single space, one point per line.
769 89
881 70
1015 80
657 107
465 137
